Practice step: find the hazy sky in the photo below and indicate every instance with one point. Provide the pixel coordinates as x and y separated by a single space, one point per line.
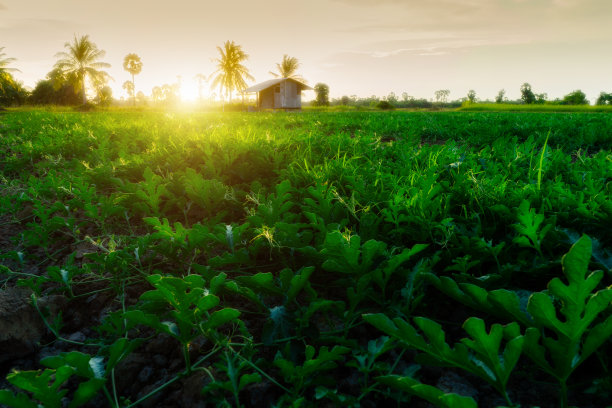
357 47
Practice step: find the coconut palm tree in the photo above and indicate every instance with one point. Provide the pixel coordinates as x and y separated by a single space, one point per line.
230 73
80 63
287 68
133 65
5 70
4 62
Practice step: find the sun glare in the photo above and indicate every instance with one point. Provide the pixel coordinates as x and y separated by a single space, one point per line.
190 90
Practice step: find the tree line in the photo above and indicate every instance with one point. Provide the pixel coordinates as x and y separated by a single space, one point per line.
79 68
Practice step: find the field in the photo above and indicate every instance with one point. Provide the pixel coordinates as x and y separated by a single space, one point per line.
356 259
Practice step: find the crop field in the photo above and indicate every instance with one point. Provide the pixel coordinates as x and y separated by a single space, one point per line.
315 259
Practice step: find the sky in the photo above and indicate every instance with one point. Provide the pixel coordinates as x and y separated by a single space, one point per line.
356 47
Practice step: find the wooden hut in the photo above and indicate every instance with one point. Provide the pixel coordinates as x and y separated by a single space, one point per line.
280 93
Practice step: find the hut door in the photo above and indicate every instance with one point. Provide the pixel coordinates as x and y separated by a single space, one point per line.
277 97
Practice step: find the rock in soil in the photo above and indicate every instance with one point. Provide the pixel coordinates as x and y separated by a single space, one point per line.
21 327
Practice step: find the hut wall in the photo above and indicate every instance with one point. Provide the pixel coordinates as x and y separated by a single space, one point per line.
266 99
290 97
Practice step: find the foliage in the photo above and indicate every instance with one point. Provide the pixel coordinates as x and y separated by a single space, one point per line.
287 68
527 94
11 91
263 253
322 91
385 105
575 98
80 63
604 99
133 65
471 96
231 73
501 96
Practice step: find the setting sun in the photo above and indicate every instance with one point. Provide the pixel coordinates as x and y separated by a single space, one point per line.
191 91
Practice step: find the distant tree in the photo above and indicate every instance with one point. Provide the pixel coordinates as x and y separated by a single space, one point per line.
405 96
288 68
471 96
47 92
442 95
80 63
345 100
322 91
201 78
392 98
11 91
105 96
541 98
604 99
575 98
170 93
133 65
156 94
231 73
129 88
527 94
385 105
501 96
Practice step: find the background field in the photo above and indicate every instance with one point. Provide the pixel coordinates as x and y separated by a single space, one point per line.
261 259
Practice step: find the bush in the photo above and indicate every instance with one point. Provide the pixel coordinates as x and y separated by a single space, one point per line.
385 105
575 98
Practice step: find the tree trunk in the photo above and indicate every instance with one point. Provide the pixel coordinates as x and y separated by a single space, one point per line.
133 91
83 89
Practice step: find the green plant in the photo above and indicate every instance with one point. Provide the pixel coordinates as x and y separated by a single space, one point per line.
570 311
480 354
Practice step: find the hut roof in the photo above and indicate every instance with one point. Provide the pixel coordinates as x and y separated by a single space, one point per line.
272 82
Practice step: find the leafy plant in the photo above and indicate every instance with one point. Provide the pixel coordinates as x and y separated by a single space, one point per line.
480 354
570 311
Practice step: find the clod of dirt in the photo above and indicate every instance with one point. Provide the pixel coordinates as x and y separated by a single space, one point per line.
21 327
452 382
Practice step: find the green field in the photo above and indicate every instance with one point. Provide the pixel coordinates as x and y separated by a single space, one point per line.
306 259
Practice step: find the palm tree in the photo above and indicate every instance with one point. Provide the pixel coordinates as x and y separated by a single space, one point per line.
80 63
133 65
5 71
230 71
129 88
287 68
4 62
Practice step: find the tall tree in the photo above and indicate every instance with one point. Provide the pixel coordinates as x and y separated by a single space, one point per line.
129 88
4 62
201 78
80 63
11 90
288 68
6 79
442 95
133 65
322 91
230 73
527 94
471 96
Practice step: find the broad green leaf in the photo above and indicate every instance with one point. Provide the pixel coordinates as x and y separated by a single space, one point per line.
86 391
298 282
220 317
18 400
427 392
